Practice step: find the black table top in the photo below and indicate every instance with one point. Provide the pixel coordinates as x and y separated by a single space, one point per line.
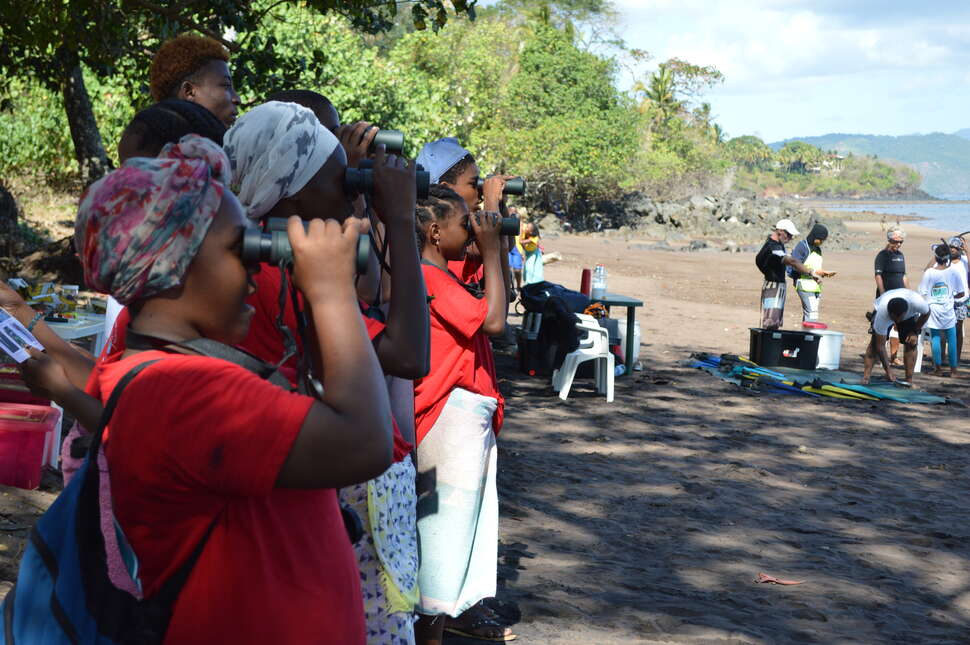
615 299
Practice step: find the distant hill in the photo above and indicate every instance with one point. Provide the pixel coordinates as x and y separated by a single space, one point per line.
942 159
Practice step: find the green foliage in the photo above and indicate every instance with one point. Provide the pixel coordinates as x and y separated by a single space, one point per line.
942 159
518 88
852 176
750 152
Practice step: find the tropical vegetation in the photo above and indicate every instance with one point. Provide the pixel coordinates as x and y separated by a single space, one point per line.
532 87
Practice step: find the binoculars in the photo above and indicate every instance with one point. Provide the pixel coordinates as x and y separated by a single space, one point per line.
513 186
507 226
393 141
272 246
360 180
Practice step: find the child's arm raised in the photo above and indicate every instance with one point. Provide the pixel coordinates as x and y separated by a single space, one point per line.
486 227
346 437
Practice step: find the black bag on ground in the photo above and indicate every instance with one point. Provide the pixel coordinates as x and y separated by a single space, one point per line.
557 333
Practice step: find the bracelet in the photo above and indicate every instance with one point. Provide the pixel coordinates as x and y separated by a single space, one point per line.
34 320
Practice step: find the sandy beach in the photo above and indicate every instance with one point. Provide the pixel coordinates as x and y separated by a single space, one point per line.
648 520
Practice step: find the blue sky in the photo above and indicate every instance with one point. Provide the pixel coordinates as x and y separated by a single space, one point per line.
802 68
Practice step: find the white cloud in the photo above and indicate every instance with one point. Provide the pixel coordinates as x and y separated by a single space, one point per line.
846 64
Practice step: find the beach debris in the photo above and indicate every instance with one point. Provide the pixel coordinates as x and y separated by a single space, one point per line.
764 578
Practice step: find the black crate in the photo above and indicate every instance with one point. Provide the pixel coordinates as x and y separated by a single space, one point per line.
783 348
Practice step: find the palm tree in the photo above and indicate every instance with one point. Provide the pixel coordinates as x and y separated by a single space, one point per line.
661 93
718 132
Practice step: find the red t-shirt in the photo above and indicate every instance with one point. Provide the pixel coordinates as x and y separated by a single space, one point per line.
468 270
456 358
265 341
196 438
473 270
116 339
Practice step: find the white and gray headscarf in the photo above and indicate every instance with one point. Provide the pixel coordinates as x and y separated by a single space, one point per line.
274 150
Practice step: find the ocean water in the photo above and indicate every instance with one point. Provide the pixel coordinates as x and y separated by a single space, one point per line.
951 214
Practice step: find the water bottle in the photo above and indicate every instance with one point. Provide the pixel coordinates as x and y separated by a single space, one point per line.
598 291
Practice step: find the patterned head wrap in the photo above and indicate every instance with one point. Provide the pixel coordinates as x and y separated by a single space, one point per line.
140 226
275 149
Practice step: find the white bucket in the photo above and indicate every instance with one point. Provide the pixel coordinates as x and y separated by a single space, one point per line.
636 338
829 348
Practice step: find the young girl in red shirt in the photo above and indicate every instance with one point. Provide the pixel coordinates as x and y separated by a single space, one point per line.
455 407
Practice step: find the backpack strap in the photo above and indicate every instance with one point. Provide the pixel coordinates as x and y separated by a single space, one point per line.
109 408
155 612
212 349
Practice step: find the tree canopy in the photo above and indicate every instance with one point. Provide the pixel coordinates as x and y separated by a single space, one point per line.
518 83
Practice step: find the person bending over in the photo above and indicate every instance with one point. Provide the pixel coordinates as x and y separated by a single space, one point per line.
197 442
905 311
195 68
890 272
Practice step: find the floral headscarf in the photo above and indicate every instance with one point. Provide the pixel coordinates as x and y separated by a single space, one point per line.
140 226
275 149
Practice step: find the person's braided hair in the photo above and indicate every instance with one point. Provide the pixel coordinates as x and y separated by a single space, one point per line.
178 59
169 120
437 206
451 175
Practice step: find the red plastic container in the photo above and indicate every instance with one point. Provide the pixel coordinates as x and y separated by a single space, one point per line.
23 430
14 390
585 281
814 325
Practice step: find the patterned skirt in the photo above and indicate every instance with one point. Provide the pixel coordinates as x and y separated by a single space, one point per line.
387 554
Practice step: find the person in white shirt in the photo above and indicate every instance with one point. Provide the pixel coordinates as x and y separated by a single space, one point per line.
958 255
905 311
944 285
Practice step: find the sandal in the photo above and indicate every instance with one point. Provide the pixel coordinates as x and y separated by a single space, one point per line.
482 623
483 629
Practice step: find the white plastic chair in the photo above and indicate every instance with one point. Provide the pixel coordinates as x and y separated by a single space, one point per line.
595 346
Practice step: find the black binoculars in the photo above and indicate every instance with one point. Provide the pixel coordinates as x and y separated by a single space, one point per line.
393 141
507 226
360 180
513 186
272 245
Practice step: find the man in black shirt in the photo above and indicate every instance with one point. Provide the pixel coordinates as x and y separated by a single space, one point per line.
891 274
771 261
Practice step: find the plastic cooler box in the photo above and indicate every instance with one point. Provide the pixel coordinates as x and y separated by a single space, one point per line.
829 348
783 348
23 432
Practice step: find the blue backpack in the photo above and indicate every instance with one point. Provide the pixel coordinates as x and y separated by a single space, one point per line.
63 593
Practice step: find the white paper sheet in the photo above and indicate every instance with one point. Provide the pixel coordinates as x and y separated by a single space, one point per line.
14 338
